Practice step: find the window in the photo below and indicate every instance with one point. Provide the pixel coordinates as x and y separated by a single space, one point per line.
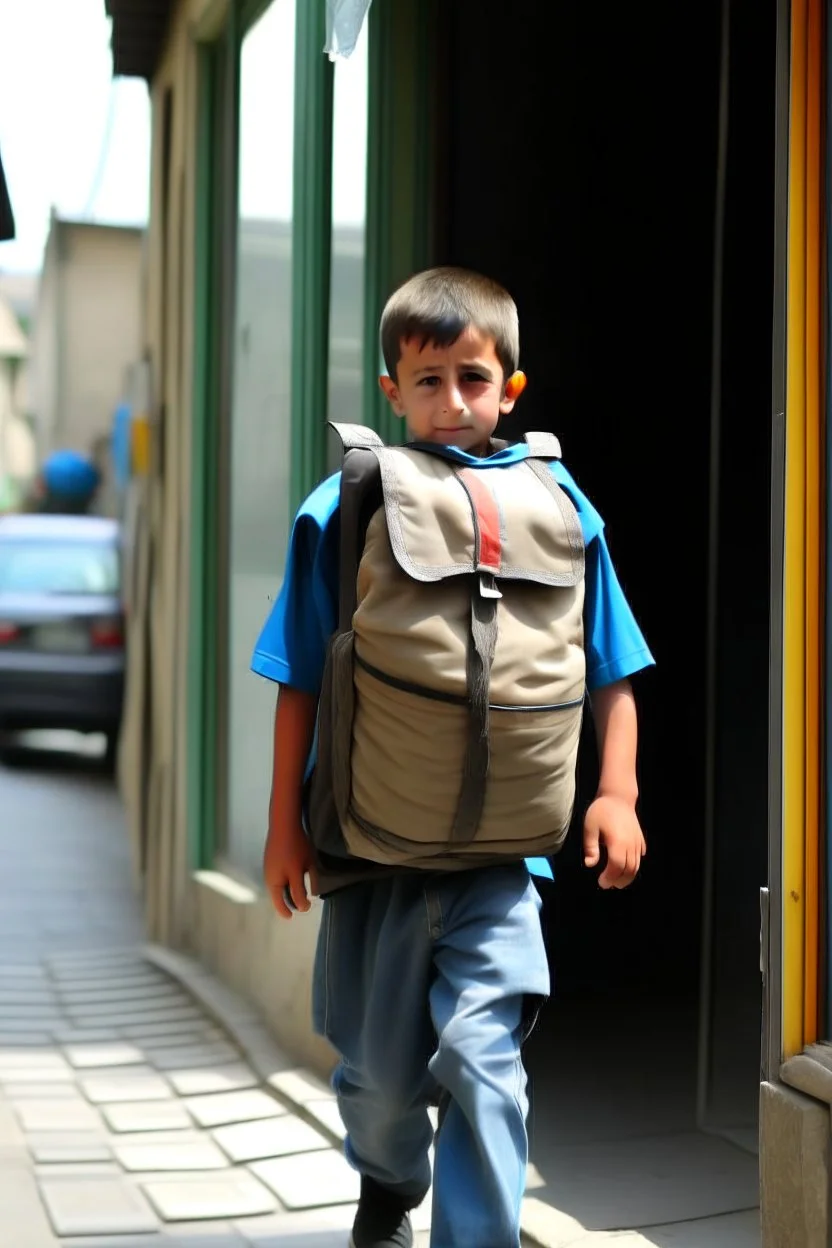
72 568
349 220
260 436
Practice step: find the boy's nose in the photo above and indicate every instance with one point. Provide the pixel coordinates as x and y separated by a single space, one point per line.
455 401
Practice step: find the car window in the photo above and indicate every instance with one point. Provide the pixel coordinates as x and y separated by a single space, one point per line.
40 566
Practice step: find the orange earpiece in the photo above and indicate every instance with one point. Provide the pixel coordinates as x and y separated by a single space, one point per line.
515 385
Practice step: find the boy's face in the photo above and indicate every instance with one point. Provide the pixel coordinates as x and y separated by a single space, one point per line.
453 395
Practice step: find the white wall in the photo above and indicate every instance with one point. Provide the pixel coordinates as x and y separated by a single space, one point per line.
102 278
88 331
44 359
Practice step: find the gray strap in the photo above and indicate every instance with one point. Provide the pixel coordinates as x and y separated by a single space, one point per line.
353 436
360 492
567 511
542 445
482 644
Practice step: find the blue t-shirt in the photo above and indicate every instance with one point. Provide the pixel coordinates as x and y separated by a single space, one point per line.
291 649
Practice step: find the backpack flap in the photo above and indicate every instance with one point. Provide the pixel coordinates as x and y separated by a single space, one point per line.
444 520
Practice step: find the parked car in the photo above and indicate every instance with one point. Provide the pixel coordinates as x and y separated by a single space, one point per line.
61 624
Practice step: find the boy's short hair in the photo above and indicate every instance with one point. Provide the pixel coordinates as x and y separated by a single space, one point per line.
438 305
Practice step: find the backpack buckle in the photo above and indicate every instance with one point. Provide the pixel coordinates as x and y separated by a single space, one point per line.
488 586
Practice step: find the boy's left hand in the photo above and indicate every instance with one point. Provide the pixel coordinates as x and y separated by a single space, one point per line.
613 823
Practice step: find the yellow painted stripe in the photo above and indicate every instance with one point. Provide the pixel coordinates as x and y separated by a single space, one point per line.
813 521
794 571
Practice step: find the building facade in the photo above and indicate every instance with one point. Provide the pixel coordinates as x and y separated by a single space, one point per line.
650 185
87 331
17 443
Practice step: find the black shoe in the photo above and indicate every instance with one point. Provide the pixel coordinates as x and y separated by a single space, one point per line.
382 1220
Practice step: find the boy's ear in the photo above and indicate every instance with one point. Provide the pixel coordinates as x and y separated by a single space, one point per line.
515 386
391 393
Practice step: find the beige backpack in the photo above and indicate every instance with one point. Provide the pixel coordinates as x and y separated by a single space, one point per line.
453 690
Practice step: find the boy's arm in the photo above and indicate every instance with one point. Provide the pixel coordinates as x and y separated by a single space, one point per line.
290 651
288 854
611 820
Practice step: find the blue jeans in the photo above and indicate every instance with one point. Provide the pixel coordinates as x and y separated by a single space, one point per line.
427 988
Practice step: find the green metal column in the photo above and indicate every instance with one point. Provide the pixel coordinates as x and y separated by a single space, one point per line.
399 165
311 250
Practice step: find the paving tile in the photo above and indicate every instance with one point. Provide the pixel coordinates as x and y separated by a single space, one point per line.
328 1115
57 1115
116 1241
226 1107
13 1060
178 1058
118 1054
171 1136
28 1090
144 1086
115 1014
28 1012
302 1182
62 1147
300 1086
219 1234
24 1220
66 1034
186 1040
121 958
37 1074
199 1154
121 992
125 1016
96 1206
34 1038
95 975
271 1137
78 1169
11 1021
147 1116
199 1082
26 995
199 1029
318 1228
233 1194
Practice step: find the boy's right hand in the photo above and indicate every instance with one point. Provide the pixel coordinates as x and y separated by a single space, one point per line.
287 860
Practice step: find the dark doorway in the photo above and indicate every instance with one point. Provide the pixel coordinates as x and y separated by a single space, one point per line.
582 171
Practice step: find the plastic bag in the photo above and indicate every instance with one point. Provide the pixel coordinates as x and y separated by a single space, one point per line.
344 19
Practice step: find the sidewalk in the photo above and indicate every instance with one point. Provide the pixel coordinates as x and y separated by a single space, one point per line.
142 1104
125 1111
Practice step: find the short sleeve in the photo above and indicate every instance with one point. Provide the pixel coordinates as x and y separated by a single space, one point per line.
615 646
291 648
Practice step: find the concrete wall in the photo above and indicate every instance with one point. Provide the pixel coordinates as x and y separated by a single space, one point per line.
794 1169
17 450
102 277
153 764
45 354
229 925
236 933
87 330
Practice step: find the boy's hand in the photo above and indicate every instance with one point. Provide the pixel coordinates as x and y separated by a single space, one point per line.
287 859
613 823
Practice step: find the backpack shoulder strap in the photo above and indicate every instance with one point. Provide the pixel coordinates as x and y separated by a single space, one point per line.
360 496
354 436
542 445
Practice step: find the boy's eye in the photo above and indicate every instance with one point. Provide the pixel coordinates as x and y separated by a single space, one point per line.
429 381
473 378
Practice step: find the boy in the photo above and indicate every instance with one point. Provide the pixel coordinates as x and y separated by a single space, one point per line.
427 981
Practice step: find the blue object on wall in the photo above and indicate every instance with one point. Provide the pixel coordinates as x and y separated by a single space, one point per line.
69 474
